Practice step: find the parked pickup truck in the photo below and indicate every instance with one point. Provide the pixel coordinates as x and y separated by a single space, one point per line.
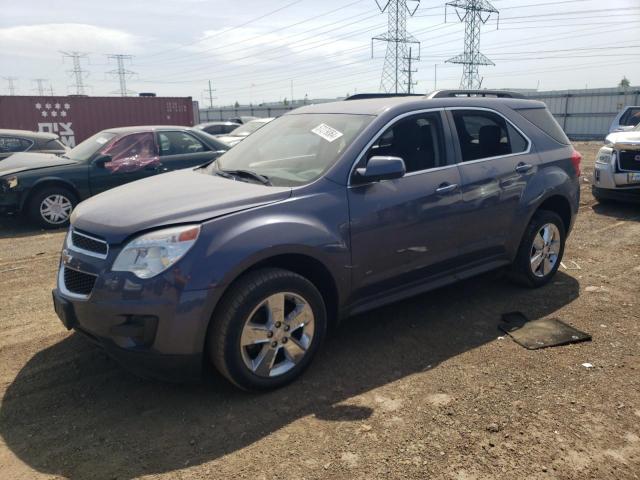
47 187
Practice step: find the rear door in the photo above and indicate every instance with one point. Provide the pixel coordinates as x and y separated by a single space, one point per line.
405 231
495 162
180 149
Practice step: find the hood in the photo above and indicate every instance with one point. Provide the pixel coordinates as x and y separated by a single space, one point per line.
19 162
617 137
183 196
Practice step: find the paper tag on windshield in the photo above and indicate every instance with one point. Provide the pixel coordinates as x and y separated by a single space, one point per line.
328 133
101 140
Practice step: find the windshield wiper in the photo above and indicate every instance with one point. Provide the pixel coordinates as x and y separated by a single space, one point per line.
263 179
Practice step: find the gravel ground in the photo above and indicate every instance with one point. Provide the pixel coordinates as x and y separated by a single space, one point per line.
425 388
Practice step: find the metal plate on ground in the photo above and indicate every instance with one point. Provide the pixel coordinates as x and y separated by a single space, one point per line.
542 333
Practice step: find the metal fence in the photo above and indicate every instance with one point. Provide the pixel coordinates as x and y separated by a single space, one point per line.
215 114
587 114
583 114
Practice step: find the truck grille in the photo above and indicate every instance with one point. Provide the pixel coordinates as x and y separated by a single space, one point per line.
629 160
78 282
89 244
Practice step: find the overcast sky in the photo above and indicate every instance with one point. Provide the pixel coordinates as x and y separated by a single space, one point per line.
252 50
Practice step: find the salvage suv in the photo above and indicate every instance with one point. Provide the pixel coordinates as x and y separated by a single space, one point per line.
616 175
328 211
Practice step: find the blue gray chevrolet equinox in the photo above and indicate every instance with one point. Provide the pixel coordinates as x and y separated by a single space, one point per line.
328 211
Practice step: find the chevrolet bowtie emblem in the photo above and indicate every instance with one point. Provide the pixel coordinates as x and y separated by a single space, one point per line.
66 257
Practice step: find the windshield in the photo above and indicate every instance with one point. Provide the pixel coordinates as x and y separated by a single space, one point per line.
295 149
247 128
85 150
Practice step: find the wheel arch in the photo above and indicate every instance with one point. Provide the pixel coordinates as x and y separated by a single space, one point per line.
560 205
46 183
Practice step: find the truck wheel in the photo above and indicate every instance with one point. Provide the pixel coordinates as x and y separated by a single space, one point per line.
540 251
267 329
51 207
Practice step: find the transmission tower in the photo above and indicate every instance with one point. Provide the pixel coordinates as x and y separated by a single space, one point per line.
476 13
77 71
40 85
11 85
396 71
121 72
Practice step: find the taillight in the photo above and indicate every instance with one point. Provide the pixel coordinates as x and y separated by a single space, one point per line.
576 158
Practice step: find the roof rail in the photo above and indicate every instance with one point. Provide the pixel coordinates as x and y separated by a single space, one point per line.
474 93
363 96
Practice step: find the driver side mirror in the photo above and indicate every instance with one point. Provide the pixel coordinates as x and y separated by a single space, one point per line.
380 168
101 161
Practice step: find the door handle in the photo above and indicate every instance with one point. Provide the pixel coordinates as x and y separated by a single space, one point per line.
523 167
446 188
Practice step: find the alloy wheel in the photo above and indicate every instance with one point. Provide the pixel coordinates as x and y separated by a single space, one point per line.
277 334
545 250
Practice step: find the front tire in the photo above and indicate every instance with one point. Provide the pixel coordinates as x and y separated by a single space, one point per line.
51 207
267 329
541 250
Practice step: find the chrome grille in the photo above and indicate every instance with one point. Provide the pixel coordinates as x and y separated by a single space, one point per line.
88 244
629 160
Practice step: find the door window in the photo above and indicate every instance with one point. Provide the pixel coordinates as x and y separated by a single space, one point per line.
485 134
631 117
179 143
215 129
132 153
418 140
13 144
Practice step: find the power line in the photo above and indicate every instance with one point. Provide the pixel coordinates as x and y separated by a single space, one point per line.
77 71
476 13
395 71
227 30
218 47
121 72
11 84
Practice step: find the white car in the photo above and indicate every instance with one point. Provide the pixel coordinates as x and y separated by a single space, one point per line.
243 131
617 171
626 120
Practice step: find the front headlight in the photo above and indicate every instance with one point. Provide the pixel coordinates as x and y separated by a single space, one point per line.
152 253
9 182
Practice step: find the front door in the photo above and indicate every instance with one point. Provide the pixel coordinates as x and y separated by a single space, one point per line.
133 157
495 165
405 231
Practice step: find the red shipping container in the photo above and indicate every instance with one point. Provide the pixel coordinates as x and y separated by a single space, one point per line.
76 118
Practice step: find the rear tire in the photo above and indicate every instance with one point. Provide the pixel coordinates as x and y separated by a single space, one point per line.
541 250
267 329
51 207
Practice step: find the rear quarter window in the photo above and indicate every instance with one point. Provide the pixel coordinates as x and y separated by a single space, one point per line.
542 118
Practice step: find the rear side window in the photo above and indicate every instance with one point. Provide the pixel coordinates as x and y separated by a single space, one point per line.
13 144
485 134
631 117
54 145
542 118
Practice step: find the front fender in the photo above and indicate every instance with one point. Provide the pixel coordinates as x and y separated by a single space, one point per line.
315 226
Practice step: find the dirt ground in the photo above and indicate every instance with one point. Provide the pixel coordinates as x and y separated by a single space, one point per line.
423 389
